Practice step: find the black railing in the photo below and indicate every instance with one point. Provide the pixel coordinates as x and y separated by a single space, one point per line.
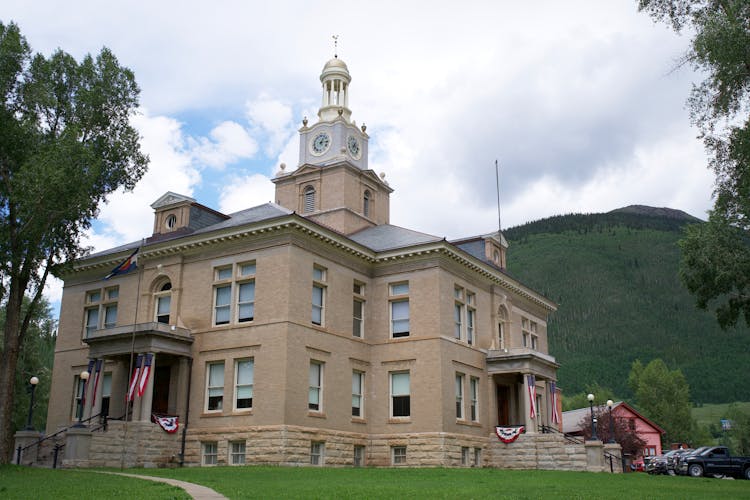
610 457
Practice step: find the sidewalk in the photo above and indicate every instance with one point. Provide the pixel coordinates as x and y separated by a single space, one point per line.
196 491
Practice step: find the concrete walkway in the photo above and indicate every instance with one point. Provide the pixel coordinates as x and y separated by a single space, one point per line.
196 491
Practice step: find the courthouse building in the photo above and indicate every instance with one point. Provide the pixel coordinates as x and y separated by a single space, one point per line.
305 331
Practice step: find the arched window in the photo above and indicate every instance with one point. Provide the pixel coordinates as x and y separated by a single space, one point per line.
163 303
366 203
309 199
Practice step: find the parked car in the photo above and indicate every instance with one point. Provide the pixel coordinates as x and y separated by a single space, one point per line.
717 461
674 460
660 464
681 466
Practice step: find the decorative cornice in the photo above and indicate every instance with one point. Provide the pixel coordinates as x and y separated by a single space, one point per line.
302 225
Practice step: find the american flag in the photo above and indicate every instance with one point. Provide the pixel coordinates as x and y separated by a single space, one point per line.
532 395
145 372
134 380
553 402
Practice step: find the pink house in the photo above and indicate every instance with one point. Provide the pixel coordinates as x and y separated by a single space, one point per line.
647 430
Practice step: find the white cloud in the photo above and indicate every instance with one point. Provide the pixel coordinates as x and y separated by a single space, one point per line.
273 118
246 192
229 142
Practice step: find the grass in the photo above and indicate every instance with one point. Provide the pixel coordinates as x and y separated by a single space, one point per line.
713 413
308 482
30 483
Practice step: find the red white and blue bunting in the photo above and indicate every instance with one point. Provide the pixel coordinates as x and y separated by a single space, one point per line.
531 380
509 434
553 403
169 424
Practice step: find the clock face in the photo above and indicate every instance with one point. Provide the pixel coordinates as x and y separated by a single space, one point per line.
353 145
320 143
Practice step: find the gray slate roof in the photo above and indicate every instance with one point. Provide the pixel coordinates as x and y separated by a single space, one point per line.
388 237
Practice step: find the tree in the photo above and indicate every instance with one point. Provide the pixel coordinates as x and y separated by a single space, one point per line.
580 400
664 397
66 143
628 440
716 255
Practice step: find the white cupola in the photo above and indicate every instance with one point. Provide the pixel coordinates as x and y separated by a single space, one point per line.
335 79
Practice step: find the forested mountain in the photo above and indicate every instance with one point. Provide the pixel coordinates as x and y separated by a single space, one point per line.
615 278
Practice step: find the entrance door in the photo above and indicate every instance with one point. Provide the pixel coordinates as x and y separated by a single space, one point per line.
503 404
160 402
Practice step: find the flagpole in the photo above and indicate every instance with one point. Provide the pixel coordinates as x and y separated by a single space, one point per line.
497 186
132 354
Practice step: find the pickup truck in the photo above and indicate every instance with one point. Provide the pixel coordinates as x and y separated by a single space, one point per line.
717 462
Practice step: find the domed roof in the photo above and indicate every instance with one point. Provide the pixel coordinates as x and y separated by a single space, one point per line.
335 68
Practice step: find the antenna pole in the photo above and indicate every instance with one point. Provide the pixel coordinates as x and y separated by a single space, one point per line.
335 45
497 185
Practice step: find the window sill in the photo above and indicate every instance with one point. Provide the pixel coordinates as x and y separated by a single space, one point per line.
316 414
242 411
399 420
468 423
211 414
359 420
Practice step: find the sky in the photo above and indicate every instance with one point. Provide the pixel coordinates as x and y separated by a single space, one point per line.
582 103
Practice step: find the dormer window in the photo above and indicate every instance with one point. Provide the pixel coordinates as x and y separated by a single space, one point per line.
309 200
366 204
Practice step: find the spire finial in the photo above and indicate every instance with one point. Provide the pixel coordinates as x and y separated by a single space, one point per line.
335 46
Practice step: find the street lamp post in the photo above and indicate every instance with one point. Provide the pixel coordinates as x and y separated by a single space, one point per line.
611 422
83 376
32 388
590 397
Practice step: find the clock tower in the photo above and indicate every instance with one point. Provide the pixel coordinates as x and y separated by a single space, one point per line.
332 183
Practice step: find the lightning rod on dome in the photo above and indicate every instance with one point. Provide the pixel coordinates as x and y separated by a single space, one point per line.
335 46
497 185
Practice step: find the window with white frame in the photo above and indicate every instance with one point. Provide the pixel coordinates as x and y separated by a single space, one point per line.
358 385
106 392
315 392
399 304
477 457
400 394
210 453
470 317
358 311
234 293
243 388
359 456
101 309
318 295
474 393
460 395
398 455
458 312
237 452
79 386
465 452
317 453
215 386
163 303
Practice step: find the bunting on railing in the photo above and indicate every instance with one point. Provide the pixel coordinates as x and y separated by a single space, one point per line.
169 424
509 434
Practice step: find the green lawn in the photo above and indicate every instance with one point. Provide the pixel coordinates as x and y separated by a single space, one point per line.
308 482
712 413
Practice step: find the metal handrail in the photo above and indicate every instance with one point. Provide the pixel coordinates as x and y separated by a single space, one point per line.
41 440
553 430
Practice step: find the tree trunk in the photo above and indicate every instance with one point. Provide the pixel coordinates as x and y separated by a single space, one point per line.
11 349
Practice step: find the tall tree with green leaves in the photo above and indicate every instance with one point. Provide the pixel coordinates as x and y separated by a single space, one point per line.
716 255
66 143
663 396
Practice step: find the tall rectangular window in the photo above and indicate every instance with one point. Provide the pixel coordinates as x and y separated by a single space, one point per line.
400 394
318 295
110 316
246 302
477 457
358 384
222 306
399 303
163 306
458 312
243 389
237 452
315 392
78 389
215 386
358 310
470 316
359 456
465 456
106 393
459 396
92 320
474 388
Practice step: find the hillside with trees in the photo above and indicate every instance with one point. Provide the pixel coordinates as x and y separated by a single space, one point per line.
615 278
